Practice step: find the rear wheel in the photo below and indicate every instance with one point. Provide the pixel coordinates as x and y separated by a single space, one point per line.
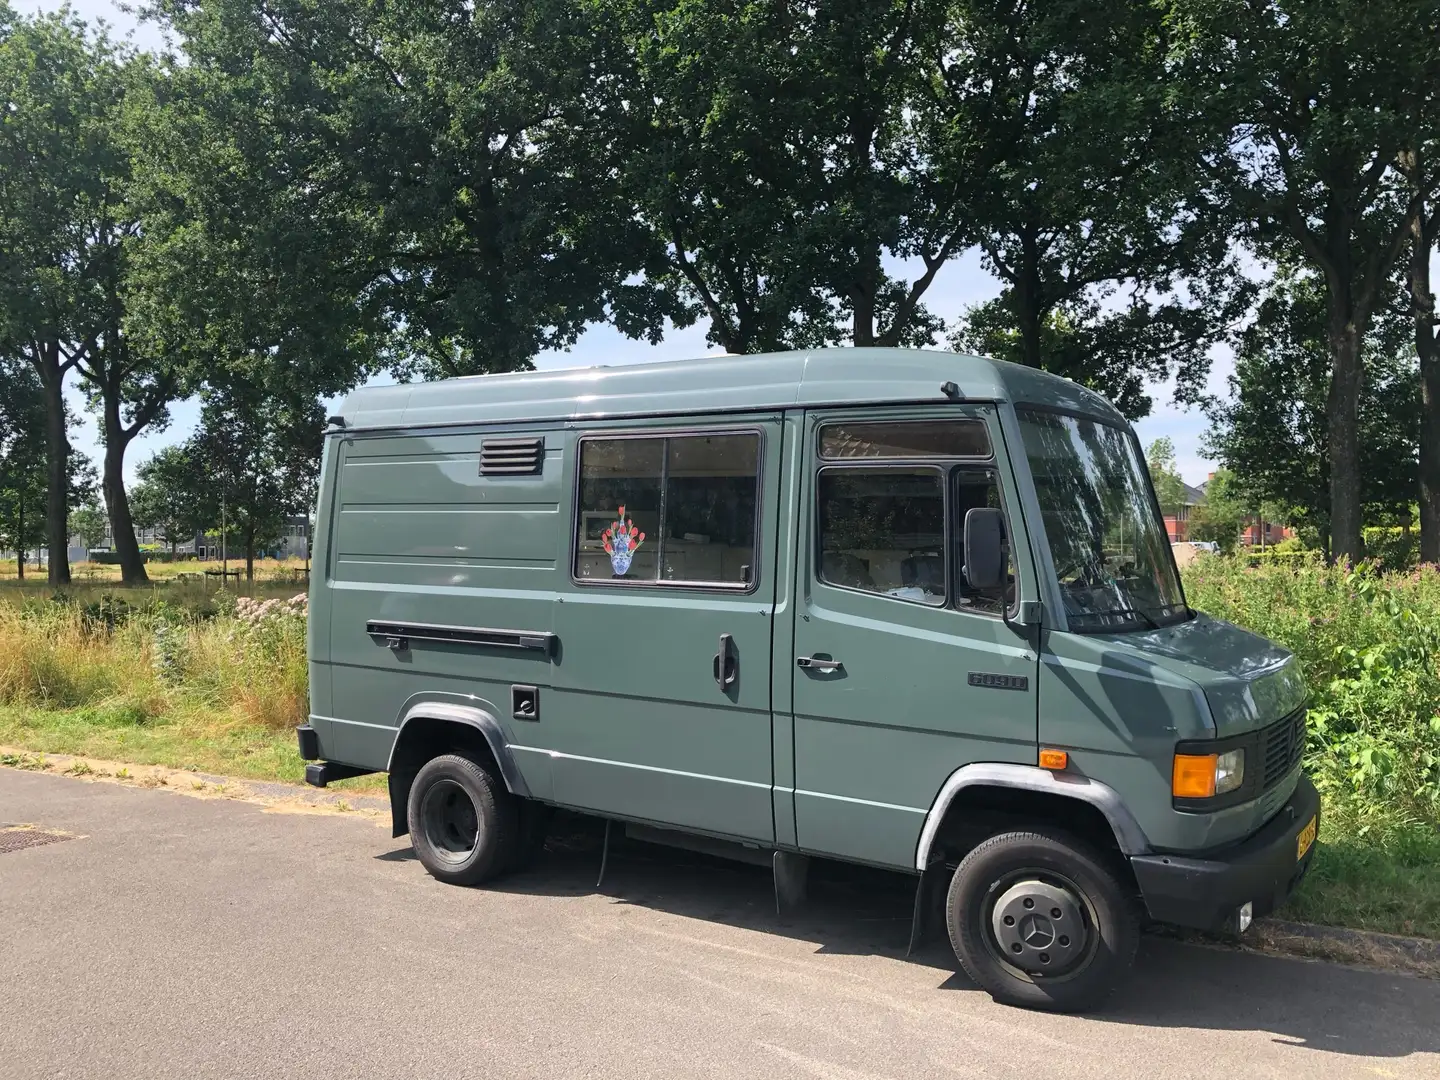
464 824
1042 921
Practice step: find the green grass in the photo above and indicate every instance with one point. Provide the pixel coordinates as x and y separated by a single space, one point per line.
1387 880
179 741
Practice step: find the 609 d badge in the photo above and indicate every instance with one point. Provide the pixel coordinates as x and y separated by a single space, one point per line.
999 682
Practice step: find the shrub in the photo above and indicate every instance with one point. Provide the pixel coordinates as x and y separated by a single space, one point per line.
1369 643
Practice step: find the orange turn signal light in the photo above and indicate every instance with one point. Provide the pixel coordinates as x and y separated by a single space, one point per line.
1054 759
1193 776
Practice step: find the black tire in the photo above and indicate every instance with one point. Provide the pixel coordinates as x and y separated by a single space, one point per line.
464 824
1007 886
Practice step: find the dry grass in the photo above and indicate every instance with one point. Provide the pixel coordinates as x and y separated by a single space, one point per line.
156 684
87 574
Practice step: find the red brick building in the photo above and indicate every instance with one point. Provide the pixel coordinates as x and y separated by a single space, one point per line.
1254 534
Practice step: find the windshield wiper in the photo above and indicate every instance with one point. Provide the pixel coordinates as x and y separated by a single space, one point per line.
1150 623
1147 620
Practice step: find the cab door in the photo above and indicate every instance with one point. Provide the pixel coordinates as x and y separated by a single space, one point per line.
661 708
903 672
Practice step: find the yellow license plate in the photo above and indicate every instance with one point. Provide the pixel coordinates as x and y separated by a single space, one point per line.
1304 840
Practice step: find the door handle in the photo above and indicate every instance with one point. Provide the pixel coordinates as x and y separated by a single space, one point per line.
727 665
817 663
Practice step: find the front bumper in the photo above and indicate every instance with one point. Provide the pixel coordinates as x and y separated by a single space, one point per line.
1262 870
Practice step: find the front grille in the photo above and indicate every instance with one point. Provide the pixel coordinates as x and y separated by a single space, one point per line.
1281 745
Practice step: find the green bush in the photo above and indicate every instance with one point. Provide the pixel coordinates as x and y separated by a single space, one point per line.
1369 643
1392 547
1294 558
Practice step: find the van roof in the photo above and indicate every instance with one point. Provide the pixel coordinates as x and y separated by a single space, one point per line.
840 376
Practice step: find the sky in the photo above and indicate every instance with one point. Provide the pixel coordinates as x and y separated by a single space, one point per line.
961 283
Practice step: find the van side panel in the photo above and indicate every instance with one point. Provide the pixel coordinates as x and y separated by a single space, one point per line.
640 727
420 537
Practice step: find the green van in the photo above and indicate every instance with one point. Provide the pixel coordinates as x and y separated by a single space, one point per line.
909 609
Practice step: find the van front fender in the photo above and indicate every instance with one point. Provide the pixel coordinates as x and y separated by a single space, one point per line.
1129 837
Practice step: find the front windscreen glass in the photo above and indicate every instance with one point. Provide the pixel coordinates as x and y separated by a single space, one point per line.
1110 550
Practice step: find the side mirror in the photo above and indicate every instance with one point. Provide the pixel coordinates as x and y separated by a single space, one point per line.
984 548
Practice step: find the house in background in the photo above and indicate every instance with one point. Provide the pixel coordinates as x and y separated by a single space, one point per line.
1254 533
1177 525
294 543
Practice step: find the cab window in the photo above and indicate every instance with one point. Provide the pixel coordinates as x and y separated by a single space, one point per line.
895 528
883 531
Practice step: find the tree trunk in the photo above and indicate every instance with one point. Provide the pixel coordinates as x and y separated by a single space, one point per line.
20 534
1029 320
1428 348
117 503
1027 300
1343 432
862 298
250 555
57 462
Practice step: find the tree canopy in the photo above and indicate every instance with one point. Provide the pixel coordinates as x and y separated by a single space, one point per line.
307 195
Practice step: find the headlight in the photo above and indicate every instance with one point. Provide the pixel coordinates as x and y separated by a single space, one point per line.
1203 776
1229 771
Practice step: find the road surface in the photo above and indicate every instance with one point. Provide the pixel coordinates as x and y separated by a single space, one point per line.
183 937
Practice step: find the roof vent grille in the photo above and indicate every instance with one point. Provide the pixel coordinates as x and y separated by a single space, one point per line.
511 457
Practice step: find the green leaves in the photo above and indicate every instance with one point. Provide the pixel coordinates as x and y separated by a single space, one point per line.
88 523
1317 101
404 183
1369 643
1169 488
1273 432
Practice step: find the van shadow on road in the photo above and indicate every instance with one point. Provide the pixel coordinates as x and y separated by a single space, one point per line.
862 911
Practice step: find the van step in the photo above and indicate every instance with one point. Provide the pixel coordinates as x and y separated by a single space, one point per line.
320 773
704 845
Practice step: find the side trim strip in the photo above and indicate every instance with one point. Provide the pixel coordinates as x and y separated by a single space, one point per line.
1128 834
397 633
556 755
860 802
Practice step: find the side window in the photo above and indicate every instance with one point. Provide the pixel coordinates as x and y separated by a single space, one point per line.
978 488
677 508
883 531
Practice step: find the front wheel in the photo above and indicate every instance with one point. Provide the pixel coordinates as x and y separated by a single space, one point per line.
1040 920
464 824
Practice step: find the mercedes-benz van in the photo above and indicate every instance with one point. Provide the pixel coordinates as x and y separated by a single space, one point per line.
910 609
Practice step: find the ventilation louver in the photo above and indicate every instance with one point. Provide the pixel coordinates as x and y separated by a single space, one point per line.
511 457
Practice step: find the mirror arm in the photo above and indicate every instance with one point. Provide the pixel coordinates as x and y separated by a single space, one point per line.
1027 620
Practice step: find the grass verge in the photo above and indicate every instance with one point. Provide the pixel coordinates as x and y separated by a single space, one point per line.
1371 878
195 743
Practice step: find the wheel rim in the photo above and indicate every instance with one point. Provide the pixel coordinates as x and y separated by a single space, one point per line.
451 824
1040 925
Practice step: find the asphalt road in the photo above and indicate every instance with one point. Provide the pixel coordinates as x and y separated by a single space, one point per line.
179 937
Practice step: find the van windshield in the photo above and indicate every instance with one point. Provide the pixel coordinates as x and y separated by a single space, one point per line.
1112 555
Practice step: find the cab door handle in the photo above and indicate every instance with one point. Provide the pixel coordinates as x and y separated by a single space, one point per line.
818 663
727 665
